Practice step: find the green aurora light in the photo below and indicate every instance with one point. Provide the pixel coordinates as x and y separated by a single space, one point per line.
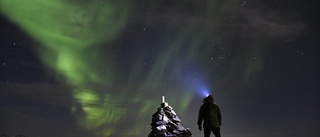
76 40
67 34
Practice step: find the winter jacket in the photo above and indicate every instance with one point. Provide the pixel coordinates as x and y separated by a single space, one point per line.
210 114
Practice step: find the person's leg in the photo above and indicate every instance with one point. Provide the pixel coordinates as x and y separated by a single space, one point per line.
207 132
216 132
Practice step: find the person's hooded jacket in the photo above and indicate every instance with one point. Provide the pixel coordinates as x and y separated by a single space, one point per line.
210 114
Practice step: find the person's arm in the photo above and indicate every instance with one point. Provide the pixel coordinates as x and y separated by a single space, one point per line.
200 119
219 116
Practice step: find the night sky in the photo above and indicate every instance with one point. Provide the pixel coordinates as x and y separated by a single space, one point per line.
79 68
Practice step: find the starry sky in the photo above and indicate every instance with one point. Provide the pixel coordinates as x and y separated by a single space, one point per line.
78 68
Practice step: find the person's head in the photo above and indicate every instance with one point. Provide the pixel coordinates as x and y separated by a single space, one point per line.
208 99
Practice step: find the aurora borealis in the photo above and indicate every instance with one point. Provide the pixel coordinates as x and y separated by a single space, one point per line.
100 67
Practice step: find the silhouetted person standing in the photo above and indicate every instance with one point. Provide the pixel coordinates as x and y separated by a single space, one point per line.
210 114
